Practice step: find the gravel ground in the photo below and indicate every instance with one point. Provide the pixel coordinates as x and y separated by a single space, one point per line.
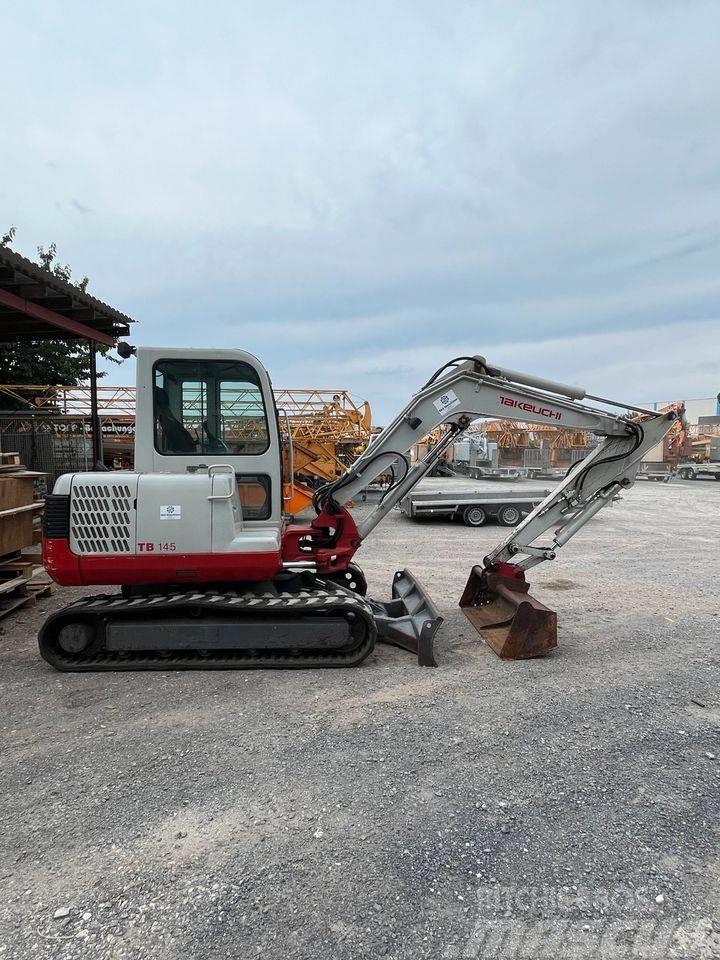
559 807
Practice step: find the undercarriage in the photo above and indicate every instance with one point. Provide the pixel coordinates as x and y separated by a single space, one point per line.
297 621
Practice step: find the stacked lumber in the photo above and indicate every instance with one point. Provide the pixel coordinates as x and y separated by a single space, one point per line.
20 512
22 582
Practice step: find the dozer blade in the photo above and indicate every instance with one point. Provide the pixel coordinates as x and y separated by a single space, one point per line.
410 619
512 623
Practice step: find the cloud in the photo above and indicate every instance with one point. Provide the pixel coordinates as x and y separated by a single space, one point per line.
330 185
675 362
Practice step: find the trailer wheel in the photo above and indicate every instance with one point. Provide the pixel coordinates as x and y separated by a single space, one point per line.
509 516
473 516
688 474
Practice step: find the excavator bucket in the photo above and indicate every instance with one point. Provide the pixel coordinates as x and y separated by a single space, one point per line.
512 623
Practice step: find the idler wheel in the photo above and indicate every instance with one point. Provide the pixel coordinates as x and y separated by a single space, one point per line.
75 637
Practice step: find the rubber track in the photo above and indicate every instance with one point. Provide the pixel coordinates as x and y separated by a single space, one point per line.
102 608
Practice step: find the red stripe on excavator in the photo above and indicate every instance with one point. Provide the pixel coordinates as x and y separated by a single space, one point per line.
74 570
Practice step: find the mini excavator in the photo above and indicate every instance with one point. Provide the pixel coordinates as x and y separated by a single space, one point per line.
213 574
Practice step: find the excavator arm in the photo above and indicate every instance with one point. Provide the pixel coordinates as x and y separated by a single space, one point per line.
496 598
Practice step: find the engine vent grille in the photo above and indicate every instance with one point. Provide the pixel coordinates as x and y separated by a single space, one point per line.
56 517
100 517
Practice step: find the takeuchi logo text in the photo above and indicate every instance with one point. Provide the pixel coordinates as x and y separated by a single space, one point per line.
531 408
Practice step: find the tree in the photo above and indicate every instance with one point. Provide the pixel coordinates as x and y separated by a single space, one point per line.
48 361
47 258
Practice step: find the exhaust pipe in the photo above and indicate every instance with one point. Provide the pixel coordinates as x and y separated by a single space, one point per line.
512 623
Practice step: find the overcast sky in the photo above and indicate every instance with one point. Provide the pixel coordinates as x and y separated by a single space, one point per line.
357 192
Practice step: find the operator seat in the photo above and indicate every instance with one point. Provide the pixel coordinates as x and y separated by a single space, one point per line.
175 438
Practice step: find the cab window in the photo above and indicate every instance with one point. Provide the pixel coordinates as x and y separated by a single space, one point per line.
254 494
208 406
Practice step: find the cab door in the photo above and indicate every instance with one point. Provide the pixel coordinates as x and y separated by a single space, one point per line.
197 409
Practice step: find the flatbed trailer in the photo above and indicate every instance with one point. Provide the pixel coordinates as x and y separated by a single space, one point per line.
655 470
495 473
473 506
698 471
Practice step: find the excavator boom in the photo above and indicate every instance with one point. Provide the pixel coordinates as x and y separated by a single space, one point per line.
496 598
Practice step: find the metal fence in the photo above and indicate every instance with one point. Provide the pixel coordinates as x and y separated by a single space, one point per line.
42 447
543 456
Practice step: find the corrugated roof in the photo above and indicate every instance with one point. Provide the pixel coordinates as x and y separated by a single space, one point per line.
22 278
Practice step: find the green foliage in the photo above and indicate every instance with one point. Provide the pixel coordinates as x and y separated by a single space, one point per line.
61 270
47 259
48 361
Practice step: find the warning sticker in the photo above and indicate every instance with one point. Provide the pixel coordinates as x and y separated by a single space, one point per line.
448 401
171 511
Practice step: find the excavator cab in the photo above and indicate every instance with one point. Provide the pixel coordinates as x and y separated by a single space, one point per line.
196 408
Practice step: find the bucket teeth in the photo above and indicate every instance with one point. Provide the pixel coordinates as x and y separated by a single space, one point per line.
512 623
